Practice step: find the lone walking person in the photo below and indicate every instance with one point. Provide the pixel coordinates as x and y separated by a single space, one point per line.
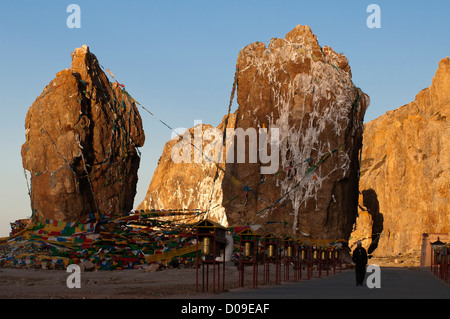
360 260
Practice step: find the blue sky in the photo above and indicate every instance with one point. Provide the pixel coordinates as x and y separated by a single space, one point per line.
178 59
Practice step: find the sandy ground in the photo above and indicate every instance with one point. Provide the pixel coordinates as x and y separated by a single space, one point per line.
134 283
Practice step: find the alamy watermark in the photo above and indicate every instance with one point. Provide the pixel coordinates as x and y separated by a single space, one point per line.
374 19
374 279
209 146
74 280
74 19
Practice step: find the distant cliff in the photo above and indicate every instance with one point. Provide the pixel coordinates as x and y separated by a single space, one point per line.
191 184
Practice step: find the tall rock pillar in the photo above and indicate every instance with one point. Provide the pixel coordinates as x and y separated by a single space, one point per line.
82 135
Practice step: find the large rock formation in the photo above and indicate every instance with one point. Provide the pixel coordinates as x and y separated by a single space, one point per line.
405 171
306 92
81 139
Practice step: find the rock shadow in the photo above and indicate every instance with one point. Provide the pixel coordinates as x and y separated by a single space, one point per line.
370 201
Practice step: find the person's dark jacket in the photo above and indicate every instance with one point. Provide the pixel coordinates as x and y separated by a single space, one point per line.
360 256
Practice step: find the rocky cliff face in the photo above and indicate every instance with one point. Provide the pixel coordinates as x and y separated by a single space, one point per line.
306 92
405 171
81 139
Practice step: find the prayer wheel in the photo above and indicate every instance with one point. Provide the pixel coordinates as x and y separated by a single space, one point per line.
290 251
303 255
248 256
210 243
248 248
315 254
271 251
207 246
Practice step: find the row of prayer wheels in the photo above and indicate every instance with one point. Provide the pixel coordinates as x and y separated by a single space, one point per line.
442 254
275 251
291 252
213 243
441 261
287 247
